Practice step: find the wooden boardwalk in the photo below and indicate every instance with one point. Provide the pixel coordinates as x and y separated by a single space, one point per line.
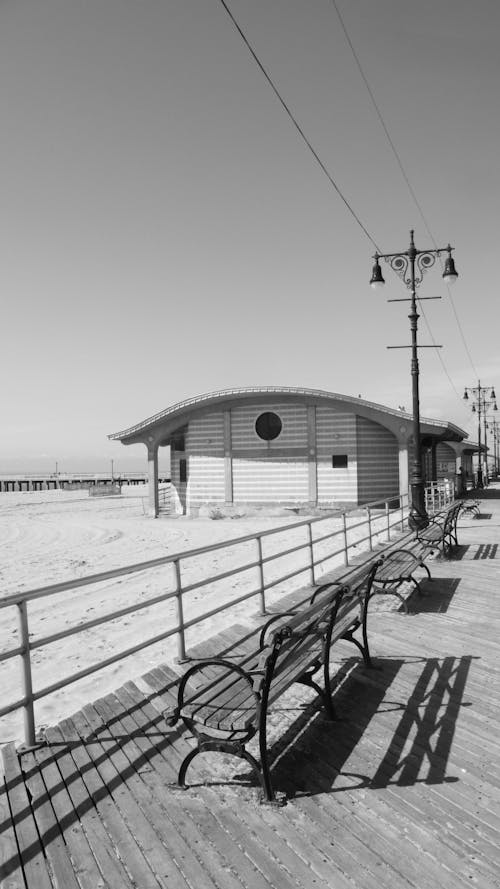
402 791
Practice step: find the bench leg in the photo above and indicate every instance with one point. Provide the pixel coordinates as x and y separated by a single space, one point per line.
429 575
361 646
269 797
235 748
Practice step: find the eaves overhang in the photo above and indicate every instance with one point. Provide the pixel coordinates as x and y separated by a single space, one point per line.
163 425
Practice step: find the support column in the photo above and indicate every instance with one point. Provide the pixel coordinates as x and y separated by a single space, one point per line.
228 459
404 478
312 458
153 499
433 462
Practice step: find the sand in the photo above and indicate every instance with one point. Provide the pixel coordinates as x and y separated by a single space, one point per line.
57 536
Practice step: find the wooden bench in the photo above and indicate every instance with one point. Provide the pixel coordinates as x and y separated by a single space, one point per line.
225 703
398 566
441 532
471 507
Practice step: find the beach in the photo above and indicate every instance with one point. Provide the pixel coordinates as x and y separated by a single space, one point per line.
50 537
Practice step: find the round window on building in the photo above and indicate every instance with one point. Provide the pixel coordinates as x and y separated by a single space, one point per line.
268 426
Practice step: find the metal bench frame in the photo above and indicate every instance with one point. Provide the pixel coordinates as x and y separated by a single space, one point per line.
441 532
398 567
292 652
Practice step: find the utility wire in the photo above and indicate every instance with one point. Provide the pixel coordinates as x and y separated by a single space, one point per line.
326 171
410 189
297 125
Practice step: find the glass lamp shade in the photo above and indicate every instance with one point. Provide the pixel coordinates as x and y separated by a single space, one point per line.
377 279
450 273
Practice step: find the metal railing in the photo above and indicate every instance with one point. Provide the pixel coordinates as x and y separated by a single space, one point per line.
438 494
327 542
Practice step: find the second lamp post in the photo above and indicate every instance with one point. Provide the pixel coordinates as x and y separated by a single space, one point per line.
410 265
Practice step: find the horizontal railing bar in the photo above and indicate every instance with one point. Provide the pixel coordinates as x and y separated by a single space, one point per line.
97 621
327 558
12 652
75 677
229 573
75 583
284 577
201 617
286 552
328 536
15 705
123 654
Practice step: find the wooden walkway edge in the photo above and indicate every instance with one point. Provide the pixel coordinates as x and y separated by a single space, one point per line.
403 790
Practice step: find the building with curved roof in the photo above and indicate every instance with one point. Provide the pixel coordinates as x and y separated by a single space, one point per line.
295 447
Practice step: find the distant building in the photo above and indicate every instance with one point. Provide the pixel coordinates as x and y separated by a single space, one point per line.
288 446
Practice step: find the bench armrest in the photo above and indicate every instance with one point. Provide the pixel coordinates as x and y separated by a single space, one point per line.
172 714
274 619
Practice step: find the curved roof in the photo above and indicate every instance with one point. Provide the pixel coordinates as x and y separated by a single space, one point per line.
176 416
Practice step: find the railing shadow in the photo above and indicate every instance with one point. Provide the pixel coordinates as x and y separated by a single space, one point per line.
309 758
419 746
474 552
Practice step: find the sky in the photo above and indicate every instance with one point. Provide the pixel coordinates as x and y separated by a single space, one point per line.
165 230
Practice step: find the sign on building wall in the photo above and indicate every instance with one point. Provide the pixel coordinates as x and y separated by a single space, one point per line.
446 468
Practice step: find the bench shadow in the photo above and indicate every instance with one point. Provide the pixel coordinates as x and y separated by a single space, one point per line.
421 735
436 596
457 553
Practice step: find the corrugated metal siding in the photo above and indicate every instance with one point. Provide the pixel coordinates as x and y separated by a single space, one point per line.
270 479
445 461
336 434
293 433
378 466
205 455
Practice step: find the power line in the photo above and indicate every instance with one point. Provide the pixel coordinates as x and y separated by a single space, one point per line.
297 125
329 176
410 189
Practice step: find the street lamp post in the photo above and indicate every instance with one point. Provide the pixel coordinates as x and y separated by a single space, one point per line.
495 427
480 406
410 265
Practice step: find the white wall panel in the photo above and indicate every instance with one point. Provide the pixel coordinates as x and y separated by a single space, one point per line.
336 435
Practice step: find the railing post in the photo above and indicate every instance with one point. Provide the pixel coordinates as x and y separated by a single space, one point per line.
311 552
261 574
369 520
388 520
28 709
346 550
181 641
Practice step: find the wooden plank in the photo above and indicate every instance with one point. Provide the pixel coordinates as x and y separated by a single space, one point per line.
93 805
11 873
99 840
68 818
201 861
133 837
189 869
33 861
54 847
